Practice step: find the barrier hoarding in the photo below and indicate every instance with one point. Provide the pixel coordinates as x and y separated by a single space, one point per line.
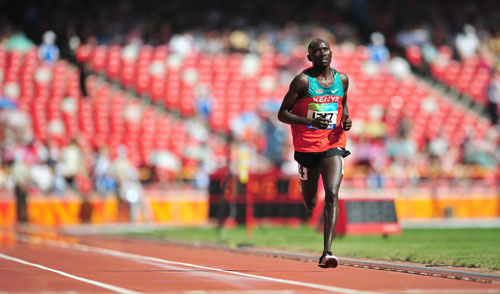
273 197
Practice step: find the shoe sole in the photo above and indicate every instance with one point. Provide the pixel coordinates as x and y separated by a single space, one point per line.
330 262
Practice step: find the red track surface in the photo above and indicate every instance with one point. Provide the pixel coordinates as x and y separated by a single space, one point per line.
42 263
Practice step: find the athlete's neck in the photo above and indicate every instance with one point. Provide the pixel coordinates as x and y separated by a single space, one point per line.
321 71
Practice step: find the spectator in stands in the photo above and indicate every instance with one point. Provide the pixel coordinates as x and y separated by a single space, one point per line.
211 43
494 42
129 189
206 165
374 127
421 58
49 153
378 55
274 133
399 66
104 181
438 146
364 154
19 41
493 96
82 56
436 150
21 177
489 146
412 35
5 182
239 41
402 150
415 59
48 51
203 100
7 153
287 38
72 163
429 52
181 44
377 49
478 151
84 71
68 44
42 176
53 153
467 42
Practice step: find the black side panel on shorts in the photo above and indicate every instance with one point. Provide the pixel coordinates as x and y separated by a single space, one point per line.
337 151
307 159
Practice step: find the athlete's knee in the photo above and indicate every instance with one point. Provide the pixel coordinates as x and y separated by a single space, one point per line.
310 202
331 198
310 205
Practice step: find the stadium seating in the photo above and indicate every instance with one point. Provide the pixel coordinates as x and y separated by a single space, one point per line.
171 81
428 111
51 96
469 77
112 116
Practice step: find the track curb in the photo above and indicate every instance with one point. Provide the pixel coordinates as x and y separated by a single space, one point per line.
387 266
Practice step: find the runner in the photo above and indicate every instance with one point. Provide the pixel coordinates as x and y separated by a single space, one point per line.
316 108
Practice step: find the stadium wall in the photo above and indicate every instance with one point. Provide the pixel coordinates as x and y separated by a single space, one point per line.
189 207
175 207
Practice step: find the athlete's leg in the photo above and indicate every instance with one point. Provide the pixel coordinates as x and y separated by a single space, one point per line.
309 178
332 170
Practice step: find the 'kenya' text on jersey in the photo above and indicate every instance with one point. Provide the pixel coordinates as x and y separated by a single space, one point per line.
320 101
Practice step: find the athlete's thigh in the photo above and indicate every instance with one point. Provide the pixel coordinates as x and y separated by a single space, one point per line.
332 172
309 178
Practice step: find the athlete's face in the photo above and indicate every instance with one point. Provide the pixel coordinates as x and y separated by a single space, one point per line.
320 54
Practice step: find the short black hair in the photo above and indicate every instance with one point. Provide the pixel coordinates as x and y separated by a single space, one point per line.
315 41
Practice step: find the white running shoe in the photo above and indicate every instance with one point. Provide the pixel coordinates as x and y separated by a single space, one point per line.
328 260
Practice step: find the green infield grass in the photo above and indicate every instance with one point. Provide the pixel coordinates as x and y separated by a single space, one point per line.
471 247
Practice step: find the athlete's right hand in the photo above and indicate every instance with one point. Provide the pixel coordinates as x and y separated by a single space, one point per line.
320 122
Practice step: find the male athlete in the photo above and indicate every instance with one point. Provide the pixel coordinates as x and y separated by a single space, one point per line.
316 108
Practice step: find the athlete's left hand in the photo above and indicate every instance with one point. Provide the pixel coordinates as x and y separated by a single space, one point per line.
346 123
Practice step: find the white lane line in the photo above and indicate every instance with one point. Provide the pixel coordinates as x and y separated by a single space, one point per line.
199 275
444 291
164 261
92 282
256 291
47 292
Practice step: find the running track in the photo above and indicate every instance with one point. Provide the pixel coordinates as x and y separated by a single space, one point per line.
36 262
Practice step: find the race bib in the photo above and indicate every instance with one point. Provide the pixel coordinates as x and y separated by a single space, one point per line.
328 109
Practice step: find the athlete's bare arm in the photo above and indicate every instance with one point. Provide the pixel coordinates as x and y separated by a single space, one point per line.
298 89
346 121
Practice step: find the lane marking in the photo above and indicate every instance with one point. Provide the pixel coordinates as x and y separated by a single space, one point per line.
255 291
444 291
202 276
87 248
92 282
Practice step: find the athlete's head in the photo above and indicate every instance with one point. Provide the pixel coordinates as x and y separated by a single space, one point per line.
319 53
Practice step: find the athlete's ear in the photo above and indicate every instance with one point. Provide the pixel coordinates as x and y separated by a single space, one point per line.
309 57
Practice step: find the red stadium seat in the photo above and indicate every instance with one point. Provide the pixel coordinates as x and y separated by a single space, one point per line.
113 62
98 58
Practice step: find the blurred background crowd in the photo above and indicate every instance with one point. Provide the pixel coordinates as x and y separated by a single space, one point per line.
424 82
